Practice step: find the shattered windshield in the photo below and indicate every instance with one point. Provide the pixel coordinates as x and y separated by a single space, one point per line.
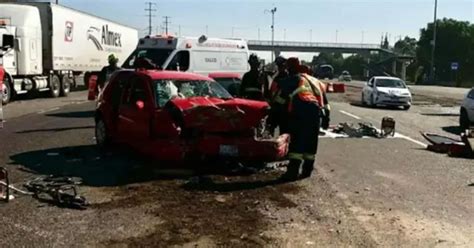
166 90
390 83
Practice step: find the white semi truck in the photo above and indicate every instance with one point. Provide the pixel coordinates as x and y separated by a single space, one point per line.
53 45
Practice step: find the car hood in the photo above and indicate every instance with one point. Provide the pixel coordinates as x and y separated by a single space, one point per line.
218 115
394 91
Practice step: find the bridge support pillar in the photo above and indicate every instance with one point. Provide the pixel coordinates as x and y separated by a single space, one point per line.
276 53
404 71
394 67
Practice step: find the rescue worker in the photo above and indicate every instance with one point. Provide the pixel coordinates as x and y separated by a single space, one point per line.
252 85
278 117
305 98
107 71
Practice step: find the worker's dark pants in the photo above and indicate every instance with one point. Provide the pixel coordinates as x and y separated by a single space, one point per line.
254 95
304 123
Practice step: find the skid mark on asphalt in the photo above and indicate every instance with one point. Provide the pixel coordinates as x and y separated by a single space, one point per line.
397 135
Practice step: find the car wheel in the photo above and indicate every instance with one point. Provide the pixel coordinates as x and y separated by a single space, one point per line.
65 85
372 101
362 100
101 134
6 92
407 107
54 86
464 121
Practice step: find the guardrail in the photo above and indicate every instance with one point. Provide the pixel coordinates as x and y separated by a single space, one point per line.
312 44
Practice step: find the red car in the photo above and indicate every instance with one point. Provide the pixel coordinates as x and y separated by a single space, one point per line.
174 116
230 81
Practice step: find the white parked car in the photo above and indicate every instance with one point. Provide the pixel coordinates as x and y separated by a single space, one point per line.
466 118
387 91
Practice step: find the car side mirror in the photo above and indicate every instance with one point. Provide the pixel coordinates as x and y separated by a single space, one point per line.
140 105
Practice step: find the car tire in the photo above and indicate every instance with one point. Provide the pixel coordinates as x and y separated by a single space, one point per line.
372 101
66 83
362 100
406 107
464 121
101 135
6 92
54 86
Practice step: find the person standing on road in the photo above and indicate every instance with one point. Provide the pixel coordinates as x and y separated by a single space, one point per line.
304 97
252 82
107 72
278 116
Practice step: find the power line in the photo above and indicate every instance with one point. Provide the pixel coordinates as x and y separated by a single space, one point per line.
166 22
150 10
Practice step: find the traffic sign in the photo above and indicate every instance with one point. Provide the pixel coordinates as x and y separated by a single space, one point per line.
454 66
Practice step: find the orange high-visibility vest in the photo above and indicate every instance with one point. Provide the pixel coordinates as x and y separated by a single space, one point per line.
309 90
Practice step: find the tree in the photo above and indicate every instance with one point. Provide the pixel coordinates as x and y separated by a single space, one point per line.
385 44
454 43
407 46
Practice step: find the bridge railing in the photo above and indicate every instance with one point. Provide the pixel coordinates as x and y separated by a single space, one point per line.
312 44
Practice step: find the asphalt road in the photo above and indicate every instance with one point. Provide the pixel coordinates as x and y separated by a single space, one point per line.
365 193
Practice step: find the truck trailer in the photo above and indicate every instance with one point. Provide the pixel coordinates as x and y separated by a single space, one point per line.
54 45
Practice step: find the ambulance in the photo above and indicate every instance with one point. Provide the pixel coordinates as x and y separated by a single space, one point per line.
201 55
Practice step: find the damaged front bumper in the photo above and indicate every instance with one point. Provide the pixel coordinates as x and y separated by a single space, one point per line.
215 146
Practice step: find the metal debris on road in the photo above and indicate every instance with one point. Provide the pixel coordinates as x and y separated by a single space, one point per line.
61 191
453 147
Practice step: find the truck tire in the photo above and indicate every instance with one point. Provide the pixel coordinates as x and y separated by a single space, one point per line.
54 86
6 92
66 83
87 76
464 122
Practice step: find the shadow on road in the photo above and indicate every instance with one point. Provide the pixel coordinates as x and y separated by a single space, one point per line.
360 105
453 129
54 129
87 163
440 114
122 167
224 187
78 114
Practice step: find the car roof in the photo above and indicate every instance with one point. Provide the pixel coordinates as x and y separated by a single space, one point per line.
384 77
224 75
174 75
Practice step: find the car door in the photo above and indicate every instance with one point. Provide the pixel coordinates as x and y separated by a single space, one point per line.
135 111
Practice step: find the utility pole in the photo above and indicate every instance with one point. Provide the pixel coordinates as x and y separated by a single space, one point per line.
150 15
272 11
433 43
166 22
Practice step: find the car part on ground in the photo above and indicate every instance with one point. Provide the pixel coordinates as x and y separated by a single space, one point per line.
4 185
60 191
453 147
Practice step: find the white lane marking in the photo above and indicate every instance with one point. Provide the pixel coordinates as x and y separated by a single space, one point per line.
411 139
399 135
48 110
349 114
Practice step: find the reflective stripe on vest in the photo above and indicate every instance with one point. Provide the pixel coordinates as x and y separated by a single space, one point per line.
252 90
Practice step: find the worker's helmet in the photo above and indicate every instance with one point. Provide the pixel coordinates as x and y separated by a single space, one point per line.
253 59
280 61
293 63
305 69
112 59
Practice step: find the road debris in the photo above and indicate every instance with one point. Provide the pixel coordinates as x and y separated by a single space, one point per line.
60 191
462 147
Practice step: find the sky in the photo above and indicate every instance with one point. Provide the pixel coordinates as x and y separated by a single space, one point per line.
349 21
